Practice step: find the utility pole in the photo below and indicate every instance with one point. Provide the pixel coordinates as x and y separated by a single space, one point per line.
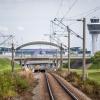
84 45
68 49
21 58
56 60
61 60
12 63
84 49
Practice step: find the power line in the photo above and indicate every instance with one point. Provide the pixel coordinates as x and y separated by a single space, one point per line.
57 25
73 4
72 32
93 11
60 6
87 12
9 37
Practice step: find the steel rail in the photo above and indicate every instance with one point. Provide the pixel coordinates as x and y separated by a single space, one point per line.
65 88
49 88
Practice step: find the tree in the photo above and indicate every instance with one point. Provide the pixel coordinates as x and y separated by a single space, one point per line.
96 59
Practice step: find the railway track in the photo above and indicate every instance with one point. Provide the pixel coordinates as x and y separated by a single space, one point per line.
57 90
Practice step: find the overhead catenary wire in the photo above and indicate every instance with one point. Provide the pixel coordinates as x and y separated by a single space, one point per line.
60 6
85 14
70 8
9 37
72 32
57 25
88 14
92 12
6 38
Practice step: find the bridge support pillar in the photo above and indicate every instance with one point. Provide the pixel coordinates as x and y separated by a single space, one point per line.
20 62
57 64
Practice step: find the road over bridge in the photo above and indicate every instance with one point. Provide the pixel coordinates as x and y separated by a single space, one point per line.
49 58
45 60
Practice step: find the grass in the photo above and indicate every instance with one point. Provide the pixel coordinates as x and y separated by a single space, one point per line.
11 84
93 74
14 84
91 86
5 64
95 66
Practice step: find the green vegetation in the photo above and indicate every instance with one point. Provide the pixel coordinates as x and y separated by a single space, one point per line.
95 61
92 74
5 64
11 85
89 87
14 84
66 64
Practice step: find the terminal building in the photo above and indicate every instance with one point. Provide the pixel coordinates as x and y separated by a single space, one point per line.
74 51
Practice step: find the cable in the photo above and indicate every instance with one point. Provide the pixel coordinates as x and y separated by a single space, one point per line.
69 10
61 3
92 11
74 33
6 39
57 25
87 12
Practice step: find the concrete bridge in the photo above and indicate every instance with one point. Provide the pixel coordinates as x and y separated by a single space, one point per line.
58 59
46 59
25 59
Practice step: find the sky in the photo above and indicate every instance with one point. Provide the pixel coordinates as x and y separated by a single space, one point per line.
29 20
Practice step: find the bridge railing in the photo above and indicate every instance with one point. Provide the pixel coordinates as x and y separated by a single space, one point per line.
50 56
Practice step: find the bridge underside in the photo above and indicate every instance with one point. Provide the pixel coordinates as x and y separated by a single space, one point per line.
50 61
47 59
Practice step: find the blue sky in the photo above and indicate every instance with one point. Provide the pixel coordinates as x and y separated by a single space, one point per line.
29 20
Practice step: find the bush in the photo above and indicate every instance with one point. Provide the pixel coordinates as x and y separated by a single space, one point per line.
89 87
6 85
21 84
11 85
96 60
65 65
